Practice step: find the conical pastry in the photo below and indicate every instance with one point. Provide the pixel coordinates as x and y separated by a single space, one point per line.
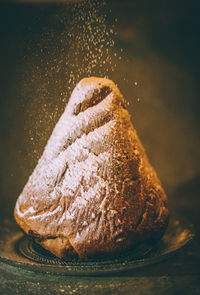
93 190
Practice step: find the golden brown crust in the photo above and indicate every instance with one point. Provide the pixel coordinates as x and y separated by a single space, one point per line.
93 190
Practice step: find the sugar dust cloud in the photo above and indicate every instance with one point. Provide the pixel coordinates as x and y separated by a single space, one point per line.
77 41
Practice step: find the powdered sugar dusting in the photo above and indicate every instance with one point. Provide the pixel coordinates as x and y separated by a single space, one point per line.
46 214
82 45
30 210
70 170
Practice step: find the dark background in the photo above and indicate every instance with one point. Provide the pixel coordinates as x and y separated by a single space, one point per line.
161 45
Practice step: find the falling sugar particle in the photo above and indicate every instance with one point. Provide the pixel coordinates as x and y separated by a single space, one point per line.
83 47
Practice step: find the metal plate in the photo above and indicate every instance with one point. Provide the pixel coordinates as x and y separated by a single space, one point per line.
17 250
